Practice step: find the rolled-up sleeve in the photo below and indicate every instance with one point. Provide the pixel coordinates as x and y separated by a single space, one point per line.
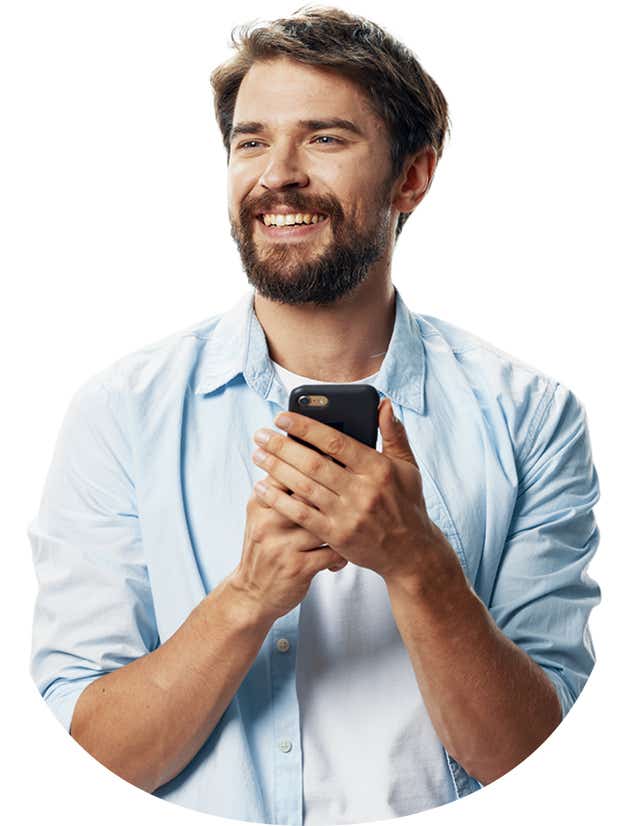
93 612
543 594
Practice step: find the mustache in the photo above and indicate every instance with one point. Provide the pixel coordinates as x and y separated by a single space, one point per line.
295 201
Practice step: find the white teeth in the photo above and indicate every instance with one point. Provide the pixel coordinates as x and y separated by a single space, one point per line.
290 219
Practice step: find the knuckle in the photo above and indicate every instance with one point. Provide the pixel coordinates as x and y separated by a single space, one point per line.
301 428
306 488
314 466
373 500
258 532
302 514
335 445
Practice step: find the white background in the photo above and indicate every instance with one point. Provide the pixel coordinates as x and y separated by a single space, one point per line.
115 234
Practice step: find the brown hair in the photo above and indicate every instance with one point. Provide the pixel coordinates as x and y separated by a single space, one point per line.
408 100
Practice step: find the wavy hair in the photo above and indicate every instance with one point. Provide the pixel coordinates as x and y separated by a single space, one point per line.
401 93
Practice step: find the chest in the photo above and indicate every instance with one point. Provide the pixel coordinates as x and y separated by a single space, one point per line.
195 486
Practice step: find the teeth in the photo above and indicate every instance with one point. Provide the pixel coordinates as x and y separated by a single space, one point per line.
290 219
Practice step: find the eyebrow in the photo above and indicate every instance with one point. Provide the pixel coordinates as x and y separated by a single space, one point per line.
254 127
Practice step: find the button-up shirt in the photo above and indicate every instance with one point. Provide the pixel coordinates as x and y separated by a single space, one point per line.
143 514
347 633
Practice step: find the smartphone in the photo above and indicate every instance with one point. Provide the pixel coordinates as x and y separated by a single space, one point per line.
351 408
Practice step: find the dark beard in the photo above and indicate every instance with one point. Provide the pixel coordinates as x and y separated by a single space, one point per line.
323 278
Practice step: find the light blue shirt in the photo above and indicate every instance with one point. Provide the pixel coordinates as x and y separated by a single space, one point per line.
143 514
349 652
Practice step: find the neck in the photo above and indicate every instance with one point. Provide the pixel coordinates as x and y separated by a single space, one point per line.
343 342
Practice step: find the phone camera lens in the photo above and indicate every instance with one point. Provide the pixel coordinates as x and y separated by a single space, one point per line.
304 400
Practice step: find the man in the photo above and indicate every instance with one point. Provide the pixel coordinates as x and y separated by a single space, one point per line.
351 642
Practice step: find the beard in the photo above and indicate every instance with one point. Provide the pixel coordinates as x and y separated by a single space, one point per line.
294 273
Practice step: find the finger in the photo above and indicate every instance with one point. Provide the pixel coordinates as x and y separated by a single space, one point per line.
297 528
350 452
270 480
304 459
320 559
306 486
306 516
274 483
278 486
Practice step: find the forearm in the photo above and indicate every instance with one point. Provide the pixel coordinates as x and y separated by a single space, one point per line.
490 703
148 719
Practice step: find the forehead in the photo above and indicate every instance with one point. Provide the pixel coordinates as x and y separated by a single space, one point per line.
282 91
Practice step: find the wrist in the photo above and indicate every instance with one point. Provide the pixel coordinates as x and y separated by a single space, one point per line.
245 607
434 569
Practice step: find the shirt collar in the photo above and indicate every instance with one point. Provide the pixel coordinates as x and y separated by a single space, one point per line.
237 345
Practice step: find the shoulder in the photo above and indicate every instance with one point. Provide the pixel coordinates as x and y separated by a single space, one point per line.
155 368
472 350
511 391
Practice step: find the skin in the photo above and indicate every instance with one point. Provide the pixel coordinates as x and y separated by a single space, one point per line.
332 166
490 704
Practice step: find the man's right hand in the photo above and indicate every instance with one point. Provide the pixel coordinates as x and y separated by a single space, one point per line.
279 558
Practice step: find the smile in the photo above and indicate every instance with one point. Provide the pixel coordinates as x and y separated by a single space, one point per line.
291 230
289 219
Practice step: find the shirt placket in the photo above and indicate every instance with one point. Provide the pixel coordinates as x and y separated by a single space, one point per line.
288 778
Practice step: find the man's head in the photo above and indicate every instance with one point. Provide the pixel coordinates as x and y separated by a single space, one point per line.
324 114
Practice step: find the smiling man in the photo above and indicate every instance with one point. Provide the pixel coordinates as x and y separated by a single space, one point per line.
238 624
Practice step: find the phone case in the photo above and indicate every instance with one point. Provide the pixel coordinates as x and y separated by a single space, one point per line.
352 408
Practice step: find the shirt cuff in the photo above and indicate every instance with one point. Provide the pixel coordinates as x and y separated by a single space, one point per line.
63 696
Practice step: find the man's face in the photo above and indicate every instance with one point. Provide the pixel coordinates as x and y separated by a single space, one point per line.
279 160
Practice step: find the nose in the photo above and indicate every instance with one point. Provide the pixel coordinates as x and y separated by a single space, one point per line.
283 169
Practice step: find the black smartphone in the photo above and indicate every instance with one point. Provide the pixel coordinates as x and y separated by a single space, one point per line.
351 408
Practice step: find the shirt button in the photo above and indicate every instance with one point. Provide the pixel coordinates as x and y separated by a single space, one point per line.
285 745
283 644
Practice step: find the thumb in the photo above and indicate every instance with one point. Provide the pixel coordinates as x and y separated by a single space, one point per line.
393 434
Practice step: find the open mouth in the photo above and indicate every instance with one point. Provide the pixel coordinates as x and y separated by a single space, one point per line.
291 225
290 218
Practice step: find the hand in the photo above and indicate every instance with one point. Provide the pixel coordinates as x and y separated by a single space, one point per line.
371 511
279 559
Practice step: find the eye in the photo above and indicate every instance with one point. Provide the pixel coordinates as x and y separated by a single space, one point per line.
247 143
328 138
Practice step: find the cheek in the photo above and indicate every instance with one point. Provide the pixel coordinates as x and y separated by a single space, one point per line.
239 185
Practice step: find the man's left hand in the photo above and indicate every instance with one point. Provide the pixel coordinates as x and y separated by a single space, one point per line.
372 511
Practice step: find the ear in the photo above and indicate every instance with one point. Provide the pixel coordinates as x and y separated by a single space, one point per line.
415 179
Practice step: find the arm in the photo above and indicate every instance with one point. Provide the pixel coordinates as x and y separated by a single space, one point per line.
490 704
96 655
147 720
496 682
